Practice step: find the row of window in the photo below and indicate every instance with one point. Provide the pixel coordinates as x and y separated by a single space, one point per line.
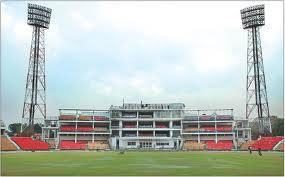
158 114
131 143
162 144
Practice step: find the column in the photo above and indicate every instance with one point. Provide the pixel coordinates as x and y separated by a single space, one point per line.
75 138
171 133
120 128
43 134
249 135
171 124
181 129
92 138
216 137
93 117
199 138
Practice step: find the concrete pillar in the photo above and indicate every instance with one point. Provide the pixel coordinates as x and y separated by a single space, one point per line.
171 124
171 133
199 138
120 128
249 135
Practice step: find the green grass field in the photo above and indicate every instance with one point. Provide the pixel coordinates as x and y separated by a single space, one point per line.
142 163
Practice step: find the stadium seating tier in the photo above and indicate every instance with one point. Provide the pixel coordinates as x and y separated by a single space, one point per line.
7 145
27 143
266 143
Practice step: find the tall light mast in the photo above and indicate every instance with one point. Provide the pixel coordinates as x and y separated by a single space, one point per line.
34 108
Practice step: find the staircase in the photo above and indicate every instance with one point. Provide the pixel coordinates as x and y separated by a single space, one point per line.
278 144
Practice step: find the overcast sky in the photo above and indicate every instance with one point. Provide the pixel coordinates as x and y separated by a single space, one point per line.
98 53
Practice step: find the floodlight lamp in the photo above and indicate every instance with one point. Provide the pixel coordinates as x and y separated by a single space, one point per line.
38 15
253 16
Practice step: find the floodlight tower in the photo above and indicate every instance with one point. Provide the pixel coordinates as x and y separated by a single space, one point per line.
256 94
35 97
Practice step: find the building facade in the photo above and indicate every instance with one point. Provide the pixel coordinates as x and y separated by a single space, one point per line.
145 126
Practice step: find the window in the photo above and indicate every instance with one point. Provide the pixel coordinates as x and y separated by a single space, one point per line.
239 125
116 114
131 143
240 133
162 144
176 114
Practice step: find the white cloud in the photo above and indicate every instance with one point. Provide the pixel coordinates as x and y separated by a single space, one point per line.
82 21
136 86
207 37
54 40
212 60
103 89
213 34
6 18
23 33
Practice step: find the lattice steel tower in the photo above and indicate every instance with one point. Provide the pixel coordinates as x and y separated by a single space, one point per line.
256 94
35 96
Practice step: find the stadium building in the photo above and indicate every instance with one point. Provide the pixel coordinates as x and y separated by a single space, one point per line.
146 126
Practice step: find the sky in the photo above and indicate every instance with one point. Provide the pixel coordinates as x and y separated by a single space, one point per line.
99 53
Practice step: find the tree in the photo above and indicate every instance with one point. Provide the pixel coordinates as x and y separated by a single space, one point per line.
277 126
38 128
254 129
14 128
